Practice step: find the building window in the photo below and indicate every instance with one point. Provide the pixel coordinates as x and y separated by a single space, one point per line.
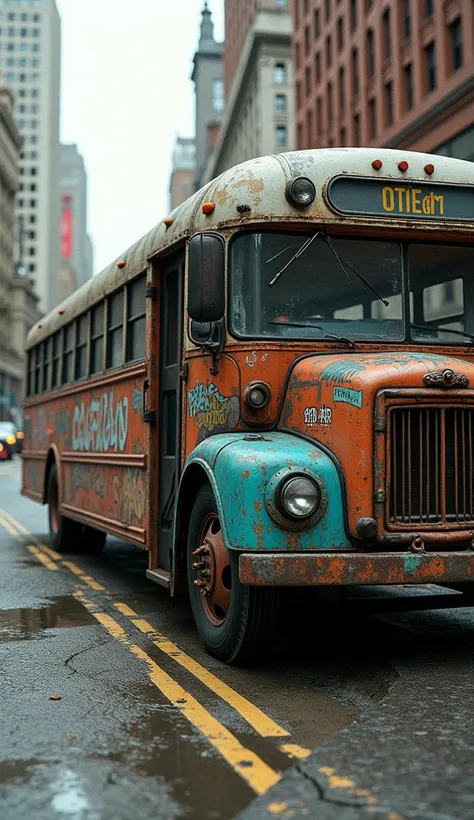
298 94
308 81
355 72
370 53
430 62
115 330
353 14
388 103
342 89
281 136
218 95
319 116
317 24
343 138
297 55
356 124
340 34
299 136
309 129
406 19
307 40
280 103
429 8
97 339
408 75
372 118
279 73
330 104
328 51
327 6
318 66
455 31
387 35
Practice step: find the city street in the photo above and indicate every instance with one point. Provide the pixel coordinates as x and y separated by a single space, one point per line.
111 708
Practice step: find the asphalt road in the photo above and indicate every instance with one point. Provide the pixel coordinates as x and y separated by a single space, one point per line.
110 708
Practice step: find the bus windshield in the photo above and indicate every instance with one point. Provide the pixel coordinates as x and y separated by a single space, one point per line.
333 289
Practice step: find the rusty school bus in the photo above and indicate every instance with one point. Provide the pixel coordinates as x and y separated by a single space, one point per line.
275 387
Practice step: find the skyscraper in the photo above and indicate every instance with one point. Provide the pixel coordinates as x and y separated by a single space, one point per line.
75 243
209 91
30 54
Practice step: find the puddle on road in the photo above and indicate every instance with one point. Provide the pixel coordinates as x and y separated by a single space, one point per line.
62 612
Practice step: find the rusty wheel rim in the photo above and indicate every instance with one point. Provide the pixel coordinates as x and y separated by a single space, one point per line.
53 509
213 573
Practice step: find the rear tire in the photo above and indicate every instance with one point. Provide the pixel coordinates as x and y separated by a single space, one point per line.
64 534
233 629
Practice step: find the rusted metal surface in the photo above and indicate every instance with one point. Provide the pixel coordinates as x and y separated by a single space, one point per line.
350 569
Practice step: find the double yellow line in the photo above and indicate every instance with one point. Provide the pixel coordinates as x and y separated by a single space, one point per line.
258 774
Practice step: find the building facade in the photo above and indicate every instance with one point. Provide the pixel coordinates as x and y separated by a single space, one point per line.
259 112
30 43
17 300
395 73
76 244
209 94
183 171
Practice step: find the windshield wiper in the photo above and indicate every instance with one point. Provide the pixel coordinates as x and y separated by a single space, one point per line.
344 264
327 335
447 329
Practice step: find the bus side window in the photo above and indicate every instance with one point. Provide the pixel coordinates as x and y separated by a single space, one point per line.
81 347
46 360
39 357
115 330
136 320
66 375
30 385
97 339
56 358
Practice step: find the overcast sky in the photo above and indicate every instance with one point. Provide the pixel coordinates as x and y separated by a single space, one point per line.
126 93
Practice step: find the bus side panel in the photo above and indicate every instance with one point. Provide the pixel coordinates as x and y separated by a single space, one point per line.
100 437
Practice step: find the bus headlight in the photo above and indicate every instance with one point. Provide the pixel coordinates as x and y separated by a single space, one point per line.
300 191
299 497
296 499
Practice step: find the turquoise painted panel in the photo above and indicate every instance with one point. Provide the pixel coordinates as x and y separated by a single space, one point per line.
239 472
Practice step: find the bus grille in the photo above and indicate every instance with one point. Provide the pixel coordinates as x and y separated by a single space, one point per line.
431 469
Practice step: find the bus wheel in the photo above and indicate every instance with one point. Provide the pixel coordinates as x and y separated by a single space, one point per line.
233 620
63 533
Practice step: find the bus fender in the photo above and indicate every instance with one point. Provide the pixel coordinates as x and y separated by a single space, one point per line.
53 458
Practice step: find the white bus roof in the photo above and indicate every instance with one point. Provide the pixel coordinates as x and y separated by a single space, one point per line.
251 194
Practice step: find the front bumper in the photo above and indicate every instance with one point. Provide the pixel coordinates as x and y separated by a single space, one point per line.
352 569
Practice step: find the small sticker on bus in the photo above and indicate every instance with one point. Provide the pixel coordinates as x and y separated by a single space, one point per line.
318 415
348 396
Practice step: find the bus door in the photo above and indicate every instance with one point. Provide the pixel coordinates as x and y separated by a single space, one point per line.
169 429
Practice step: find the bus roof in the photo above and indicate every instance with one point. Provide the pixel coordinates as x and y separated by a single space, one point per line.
253 193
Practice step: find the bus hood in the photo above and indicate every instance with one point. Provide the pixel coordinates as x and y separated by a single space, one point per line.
332 399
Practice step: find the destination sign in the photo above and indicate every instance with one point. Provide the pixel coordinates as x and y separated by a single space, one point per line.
416 200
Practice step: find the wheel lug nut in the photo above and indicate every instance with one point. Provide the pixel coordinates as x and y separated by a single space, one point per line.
206 573
199 583
199 565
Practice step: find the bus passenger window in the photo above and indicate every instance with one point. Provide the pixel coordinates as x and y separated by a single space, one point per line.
97 339
46 360
67 355
115 330
56 341
39 361
136 320
30 385
81 347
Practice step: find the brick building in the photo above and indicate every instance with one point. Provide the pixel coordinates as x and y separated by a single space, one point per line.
395 73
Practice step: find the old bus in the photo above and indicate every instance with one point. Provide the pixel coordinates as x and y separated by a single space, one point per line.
275 387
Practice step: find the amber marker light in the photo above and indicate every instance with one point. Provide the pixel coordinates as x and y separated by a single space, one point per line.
403 165
61 311
377 164
208 208
121 264
168 222
429 169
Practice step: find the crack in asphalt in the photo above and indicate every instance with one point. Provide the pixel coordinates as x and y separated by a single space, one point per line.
102 642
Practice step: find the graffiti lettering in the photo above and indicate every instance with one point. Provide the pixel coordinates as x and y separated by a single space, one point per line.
129 496
87 479
61 423
203 399
315 415
137 400
101 424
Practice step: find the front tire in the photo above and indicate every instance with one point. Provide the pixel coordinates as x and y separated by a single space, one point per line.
233 620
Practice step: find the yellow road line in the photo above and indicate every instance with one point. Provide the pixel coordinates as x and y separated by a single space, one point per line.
43 558
293 750
259 776
7 526
264 725
52 553
14 522
91 582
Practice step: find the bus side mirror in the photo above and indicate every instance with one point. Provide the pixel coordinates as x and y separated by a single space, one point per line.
206 277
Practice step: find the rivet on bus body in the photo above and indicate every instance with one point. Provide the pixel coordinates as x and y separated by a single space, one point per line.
168 222
61 311
377 164
40 326
403 165
121 264
429 169
208 208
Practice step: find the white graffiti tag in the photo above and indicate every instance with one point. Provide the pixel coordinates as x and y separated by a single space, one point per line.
99 425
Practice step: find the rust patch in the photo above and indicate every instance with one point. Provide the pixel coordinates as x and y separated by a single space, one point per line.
246 474
257 505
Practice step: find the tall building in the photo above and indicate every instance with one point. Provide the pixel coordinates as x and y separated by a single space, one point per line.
76 245
258 69
183 171
17 300
395 73
209 93
30 43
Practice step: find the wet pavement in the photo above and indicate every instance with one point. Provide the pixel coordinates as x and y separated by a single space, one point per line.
111 709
